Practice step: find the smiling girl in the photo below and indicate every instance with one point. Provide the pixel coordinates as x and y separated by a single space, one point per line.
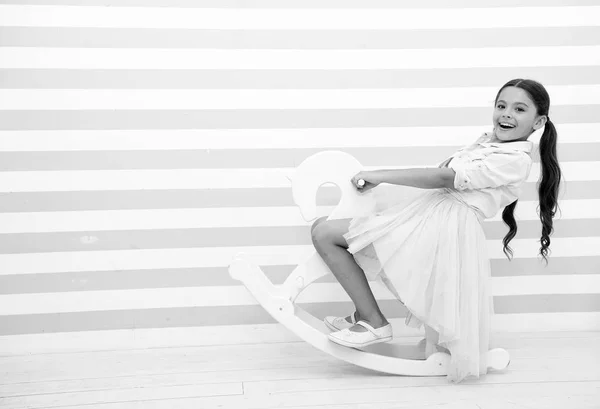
431 251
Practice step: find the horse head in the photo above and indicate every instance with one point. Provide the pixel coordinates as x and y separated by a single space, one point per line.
328 167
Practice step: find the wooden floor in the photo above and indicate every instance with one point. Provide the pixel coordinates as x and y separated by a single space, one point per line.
548 370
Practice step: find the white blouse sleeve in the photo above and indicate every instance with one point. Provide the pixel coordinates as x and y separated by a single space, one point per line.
496 169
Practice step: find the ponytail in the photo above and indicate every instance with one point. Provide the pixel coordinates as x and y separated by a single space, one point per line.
548 185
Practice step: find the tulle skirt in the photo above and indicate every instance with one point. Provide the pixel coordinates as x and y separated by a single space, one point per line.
431 254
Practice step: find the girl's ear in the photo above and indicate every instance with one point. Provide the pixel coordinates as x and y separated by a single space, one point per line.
541 121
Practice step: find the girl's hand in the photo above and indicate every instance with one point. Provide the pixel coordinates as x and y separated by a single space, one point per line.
365 180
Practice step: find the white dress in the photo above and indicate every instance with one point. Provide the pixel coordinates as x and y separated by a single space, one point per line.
430 251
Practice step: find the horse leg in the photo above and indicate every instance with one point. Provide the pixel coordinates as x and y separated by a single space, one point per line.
306 273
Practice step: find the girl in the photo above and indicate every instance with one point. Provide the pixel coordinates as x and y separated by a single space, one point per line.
431 252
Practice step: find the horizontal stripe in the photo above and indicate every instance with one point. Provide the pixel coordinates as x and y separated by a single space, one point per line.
36 181
535 267
244 315
215 296
222 236
152 219
298 19
565 284
219 276
135 259
234 158
63 37
269 119
546 304
301 4
210 198
234 139
11 346
135 319
128 280
285 79
277 99
89 58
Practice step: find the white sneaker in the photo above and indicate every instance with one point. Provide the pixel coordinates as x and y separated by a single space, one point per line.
340 323
353 339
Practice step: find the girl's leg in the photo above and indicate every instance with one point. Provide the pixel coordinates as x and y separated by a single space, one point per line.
327 236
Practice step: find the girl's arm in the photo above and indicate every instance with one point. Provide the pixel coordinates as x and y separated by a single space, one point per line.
424 178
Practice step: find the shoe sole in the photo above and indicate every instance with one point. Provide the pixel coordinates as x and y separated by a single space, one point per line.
366 344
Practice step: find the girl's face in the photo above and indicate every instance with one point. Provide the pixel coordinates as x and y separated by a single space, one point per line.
515 115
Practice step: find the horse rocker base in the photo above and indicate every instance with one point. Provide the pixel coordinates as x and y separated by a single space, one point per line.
279 301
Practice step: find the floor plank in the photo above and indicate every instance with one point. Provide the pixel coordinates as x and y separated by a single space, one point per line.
115 395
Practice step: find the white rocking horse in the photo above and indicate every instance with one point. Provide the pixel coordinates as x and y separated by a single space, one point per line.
279 300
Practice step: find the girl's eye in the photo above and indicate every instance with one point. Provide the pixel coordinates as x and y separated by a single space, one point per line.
500 106
520 110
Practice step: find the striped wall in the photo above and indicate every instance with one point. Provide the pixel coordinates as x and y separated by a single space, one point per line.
144 144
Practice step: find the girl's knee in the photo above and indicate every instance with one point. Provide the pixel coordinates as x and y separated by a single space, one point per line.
317 222
320 232
328 232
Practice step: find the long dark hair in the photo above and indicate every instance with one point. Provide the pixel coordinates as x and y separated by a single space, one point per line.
550 175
